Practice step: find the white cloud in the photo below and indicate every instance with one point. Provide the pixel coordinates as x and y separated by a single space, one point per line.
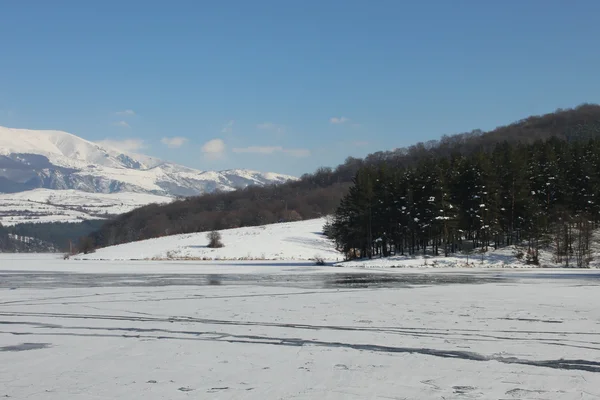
214 148
297 152
125 113
124 145
258 149
272 150
174 142
338 120
122 124
228 127
270 126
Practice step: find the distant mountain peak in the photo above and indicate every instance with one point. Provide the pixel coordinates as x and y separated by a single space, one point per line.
31 159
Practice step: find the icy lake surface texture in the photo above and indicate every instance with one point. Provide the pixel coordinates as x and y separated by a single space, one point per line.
279 330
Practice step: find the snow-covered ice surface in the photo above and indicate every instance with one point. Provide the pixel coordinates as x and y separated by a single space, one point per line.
302 240
248 330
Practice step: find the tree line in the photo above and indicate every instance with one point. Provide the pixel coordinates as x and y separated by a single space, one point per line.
46 236
12 243
319 194
543 194
6 244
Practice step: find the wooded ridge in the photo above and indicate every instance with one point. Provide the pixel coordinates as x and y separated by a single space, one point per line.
320 193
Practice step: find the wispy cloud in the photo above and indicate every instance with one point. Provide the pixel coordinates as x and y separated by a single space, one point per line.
125 113
258 149
214 149
272 150
338 120
174 142
270 126
123 144
297 152
228 127
122 124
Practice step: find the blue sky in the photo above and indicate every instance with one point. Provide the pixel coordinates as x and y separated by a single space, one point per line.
288 86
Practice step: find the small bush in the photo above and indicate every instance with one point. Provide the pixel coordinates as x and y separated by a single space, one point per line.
171 255
519 254
532 258
214 240
319 260
86 245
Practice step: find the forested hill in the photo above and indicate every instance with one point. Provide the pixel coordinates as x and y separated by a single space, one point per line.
541 195
320 193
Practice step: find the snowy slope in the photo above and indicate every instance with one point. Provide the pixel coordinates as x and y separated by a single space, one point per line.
287 241
304 241
44 205
31 159
61 148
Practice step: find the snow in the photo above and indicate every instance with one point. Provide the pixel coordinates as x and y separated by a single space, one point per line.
283 332
505 257
302 240
103 165
305 241
45 205
61 148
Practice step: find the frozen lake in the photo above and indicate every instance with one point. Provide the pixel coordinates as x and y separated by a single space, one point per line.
249 330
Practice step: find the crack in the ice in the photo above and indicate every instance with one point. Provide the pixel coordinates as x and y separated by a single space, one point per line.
546 321
151 300
471 334
574 364
25 347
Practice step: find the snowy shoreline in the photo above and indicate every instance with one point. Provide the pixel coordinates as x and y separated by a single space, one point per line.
303 241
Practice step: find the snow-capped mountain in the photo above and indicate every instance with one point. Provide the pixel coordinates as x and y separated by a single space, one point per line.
31 159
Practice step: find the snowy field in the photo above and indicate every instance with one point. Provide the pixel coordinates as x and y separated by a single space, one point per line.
44 205
302 240
290 330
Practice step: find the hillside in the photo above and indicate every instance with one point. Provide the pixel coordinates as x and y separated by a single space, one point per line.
46 205
319 194
31 159
287 241
305 241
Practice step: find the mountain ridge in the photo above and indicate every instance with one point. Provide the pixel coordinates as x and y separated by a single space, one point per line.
58 160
